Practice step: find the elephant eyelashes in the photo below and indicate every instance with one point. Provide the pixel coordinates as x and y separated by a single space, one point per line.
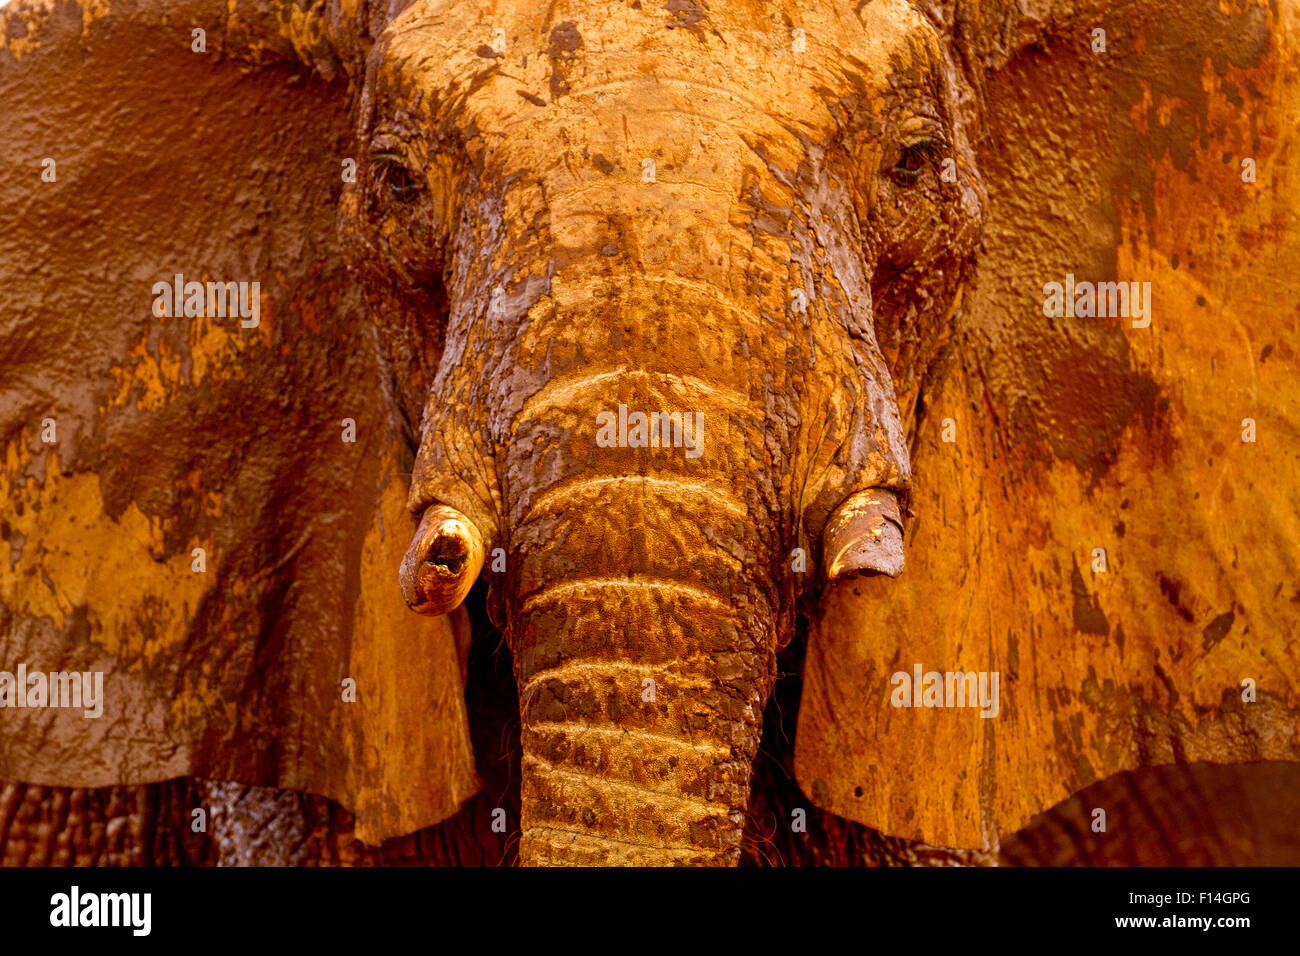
392 172
912 161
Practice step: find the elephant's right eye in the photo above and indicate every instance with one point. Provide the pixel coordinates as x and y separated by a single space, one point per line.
912 161
392 174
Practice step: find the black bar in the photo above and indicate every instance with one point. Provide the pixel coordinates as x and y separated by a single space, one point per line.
943 907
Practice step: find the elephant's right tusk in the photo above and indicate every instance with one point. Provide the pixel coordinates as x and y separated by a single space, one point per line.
442 563
864 536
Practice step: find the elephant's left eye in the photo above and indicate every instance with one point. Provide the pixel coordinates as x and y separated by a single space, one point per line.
393 173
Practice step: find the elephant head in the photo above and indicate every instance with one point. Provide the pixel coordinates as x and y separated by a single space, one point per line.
662 399
679 324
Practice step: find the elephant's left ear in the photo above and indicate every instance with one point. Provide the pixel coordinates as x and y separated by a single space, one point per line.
203 469
1102 568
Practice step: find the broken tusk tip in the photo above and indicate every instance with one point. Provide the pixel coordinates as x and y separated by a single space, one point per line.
442 563
865 537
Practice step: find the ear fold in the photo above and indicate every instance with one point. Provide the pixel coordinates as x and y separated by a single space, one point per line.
207 507
1107 514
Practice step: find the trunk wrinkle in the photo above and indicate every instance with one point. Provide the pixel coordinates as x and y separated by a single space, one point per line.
574 728
570 388
718 809
581 668
562 588
716 494
682 848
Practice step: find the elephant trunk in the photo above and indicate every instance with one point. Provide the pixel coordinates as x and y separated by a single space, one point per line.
641 696
644 638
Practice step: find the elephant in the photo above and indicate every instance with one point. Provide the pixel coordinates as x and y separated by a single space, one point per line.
937 351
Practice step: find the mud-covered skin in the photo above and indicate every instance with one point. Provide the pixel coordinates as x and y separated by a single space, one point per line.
1105 165
736 281
195 432
173 435
110 826
152 825
1170 816
1202 815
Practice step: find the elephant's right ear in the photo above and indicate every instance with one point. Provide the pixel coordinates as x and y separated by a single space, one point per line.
1102 568
203 465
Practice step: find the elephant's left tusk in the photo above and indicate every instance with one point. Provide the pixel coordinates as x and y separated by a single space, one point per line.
864 536
442 563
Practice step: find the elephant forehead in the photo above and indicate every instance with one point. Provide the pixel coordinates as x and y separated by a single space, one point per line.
492 66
